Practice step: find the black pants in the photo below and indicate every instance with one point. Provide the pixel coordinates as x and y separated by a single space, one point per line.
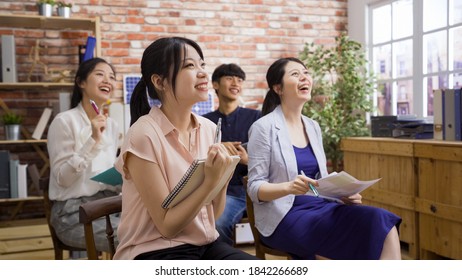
217 250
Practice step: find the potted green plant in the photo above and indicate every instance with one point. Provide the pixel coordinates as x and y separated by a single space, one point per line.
64 9
45 7
341 94
12 123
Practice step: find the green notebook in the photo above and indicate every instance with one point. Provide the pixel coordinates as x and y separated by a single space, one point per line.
110 177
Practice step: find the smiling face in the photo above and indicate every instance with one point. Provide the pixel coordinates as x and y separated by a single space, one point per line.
296 83
191 84
229 87
99 84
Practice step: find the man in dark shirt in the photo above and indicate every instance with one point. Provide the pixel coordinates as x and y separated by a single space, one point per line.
227 80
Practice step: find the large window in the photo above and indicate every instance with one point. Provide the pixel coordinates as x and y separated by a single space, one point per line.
414 46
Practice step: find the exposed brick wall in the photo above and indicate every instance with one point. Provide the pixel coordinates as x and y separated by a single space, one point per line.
251 33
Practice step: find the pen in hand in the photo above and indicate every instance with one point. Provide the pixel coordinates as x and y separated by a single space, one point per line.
218 132
313 189
95 107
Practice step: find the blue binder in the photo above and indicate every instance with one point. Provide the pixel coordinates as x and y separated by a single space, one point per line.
457 114
89 48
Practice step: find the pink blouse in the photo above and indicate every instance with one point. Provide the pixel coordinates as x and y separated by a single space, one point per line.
155 139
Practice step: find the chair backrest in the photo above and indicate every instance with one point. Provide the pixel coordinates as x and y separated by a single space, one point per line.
260 249
58 246
92 210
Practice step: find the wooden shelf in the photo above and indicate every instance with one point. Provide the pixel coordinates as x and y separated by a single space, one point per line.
42 22
34 85
25 141
29 198
54 23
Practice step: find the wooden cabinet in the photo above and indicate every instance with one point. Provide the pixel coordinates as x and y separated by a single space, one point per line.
394 162
439 202
421 182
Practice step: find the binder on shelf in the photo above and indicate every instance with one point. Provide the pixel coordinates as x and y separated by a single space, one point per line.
193 178
449 117
457 114
5 174
14 165
42 123
22 181
89 48
64 101
9 74
438 114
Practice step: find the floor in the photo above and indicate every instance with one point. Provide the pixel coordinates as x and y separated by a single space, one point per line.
249 248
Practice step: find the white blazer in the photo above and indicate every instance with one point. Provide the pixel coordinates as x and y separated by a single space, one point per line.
272 159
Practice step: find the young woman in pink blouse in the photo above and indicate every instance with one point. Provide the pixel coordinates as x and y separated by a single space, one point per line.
158 149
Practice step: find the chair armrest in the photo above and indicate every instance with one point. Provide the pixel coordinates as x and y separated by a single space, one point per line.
92 210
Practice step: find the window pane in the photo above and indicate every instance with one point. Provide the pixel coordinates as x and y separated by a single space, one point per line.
402 19
455 11
382 61
381 24
456 34
434 82
434 52
404 97
457 80
384 99
402 52
434 14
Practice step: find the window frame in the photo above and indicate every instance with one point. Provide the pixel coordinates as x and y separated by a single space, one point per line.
359 29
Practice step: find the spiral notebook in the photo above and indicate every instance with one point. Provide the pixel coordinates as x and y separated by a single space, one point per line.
193 178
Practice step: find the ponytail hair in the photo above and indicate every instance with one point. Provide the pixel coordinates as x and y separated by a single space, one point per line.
274 77
272 100
139 104
164 57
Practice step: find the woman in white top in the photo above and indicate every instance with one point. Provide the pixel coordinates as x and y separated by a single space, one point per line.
81 144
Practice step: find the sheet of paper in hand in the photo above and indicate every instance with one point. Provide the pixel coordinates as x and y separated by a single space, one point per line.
337 185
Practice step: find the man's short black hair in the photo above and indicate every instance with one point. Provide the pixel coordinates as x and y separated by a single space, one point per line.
231 69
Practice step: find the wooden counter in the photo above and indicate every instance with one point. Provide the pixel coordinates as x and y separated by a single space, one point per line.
421 182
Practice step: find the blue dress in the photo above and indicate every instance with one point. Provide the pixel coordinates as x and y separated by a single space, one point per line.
316 226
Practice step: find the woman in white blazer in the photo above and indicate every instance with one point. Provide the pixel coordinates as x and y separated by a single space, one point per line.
283 144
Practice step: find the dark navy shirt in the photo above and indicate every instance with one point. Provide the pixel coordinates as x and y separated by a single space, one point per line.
235 127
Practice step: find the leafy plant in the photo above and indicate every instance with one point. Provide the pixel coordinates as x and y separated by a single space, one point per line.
64 4
51 2
11 118
341 92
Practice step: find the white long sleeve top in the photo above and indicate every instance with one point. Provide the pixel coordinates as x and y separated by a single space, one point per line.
75 157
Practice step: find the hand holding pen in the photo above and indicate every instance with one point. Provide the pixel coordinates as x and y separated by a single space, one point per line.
95 107
312 188
98 123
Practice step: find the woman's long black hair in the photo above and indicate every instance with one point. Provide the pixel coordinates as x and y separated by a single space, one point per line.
274 77
164 57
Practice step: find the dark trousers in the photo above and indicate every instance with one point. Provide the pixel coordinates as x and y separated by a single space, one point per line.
217 250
